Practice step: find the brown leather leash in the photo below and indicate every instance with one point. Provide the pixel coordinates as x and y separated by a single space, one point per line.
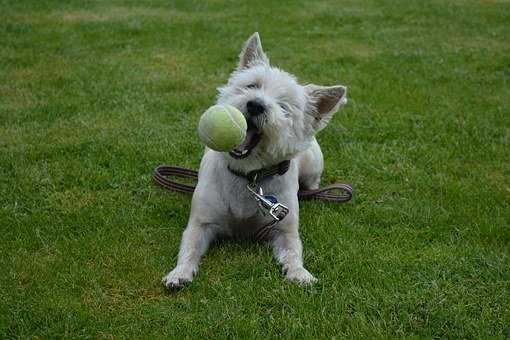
327 193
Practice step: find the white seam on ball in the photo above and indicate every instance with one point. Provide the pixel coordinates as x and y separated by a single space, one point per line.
240 129
209 140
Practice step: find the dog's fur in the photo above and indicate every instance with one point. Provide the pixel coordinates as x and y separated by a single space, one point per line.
221 203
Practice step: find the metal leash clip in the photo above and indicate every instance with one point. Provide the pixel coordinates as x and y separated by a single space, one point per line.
269 204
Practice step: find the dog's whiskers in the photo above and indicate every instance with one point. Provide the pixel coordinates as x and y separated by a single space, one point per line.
259 121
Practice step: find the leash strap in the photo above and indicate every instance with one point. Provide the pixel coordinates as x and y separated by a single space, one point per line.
328 194
336 193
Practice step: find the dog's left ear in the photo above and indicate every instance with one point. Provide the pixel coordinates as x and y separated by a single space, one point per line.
252 53
323 102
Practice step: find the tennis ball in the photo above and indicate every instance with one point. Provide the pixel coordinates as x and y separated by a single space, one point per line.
222 127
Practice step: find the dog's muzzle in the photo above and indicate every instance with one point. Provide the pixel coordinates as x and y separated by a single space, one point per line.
255 117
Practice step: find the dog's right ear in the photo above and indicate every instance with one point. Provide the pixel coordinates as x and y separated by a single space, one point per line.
252 53
323 102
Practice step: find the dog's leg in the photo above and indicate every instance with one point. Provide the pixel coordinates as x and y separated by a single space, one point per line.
289 252
195 241
310 164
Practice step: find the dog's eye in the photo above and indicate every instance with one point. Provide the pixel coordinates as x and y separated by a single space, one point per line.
252 86
283 106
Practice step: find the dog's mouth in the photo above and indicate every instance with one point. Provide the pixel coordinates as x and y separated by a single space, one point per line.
243 150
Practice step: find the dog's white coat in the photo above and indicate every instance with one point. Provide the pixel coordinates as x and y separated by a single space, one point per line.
221 204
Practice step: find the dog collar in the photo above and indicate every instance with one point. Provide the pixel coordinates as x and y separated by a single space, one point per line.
261 174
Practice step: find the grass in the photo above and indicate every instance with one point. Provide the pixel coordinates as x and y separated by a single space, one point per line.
95 94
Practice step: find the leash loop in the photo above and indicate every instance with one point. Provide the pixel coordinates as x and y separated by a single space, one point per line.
160 177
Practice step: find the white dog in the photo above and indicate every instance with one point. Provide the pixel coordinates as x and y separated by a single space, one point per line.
283 118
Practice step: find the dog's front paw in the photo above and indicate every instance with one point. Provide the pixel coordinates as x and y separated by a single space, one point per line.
178 277
301 276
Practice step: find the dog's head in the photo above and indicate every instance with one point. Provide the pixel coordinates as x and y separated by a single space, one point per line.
283 116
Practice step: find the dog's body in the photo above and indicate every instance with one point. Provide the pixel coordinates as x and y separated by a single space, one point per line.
283 118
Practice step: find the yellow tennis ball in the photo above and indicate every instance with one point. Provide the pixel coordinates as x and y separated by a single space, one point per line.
222 127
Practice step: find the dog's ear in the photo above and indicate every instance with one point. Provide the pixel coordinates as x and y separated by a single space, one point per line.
252 53
323 102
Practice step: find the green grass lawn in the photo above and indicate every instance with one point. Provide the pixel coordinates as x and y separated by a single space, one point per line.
95 94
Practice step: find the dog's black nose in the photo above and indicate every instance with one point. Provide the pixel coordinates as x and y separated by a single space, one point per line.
255 107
